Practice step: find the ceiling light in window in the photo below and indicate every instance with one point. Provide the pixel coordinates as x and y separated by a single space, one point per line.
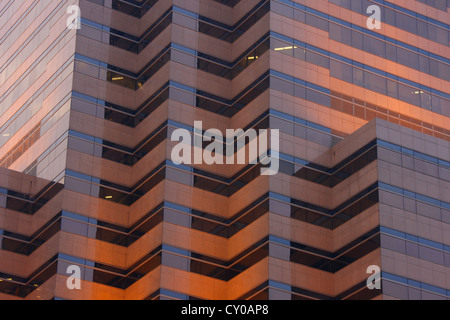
285 48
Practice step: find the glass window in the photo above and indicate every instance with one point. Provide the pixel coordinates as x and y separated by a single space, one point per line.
300 92
408 58
358 77
317 22
422 29
374 46
438 34
439 69
391 52
409 94
425 100
317 59
424 64
341 71
389 16
318 98
375 82
341 34
392 89
299 53
405 22
357 40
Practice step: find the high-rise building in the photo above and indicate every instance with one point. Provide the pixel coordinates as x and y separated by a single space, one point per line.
358 89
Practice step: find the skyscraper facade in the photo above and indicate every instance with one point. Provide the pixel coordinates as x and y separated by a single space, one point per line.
92 205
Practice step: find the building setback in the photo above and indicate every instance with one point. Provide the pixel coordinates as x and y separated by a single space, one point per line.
87 180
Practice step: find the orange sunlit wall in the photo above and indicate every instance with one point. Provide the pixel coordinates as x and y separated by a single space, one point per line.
88 182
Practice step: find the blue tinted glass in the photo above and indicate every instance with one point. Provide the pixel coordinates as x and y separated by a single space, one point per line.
413 283
279 197
177 207
412 238
393 277
176 250
279 285
71 259
431 243
432 288
279 240
392 232
172 294
75 216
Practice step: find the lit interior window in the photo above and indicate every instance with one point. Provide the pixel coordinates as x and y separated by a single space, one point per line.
285 48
